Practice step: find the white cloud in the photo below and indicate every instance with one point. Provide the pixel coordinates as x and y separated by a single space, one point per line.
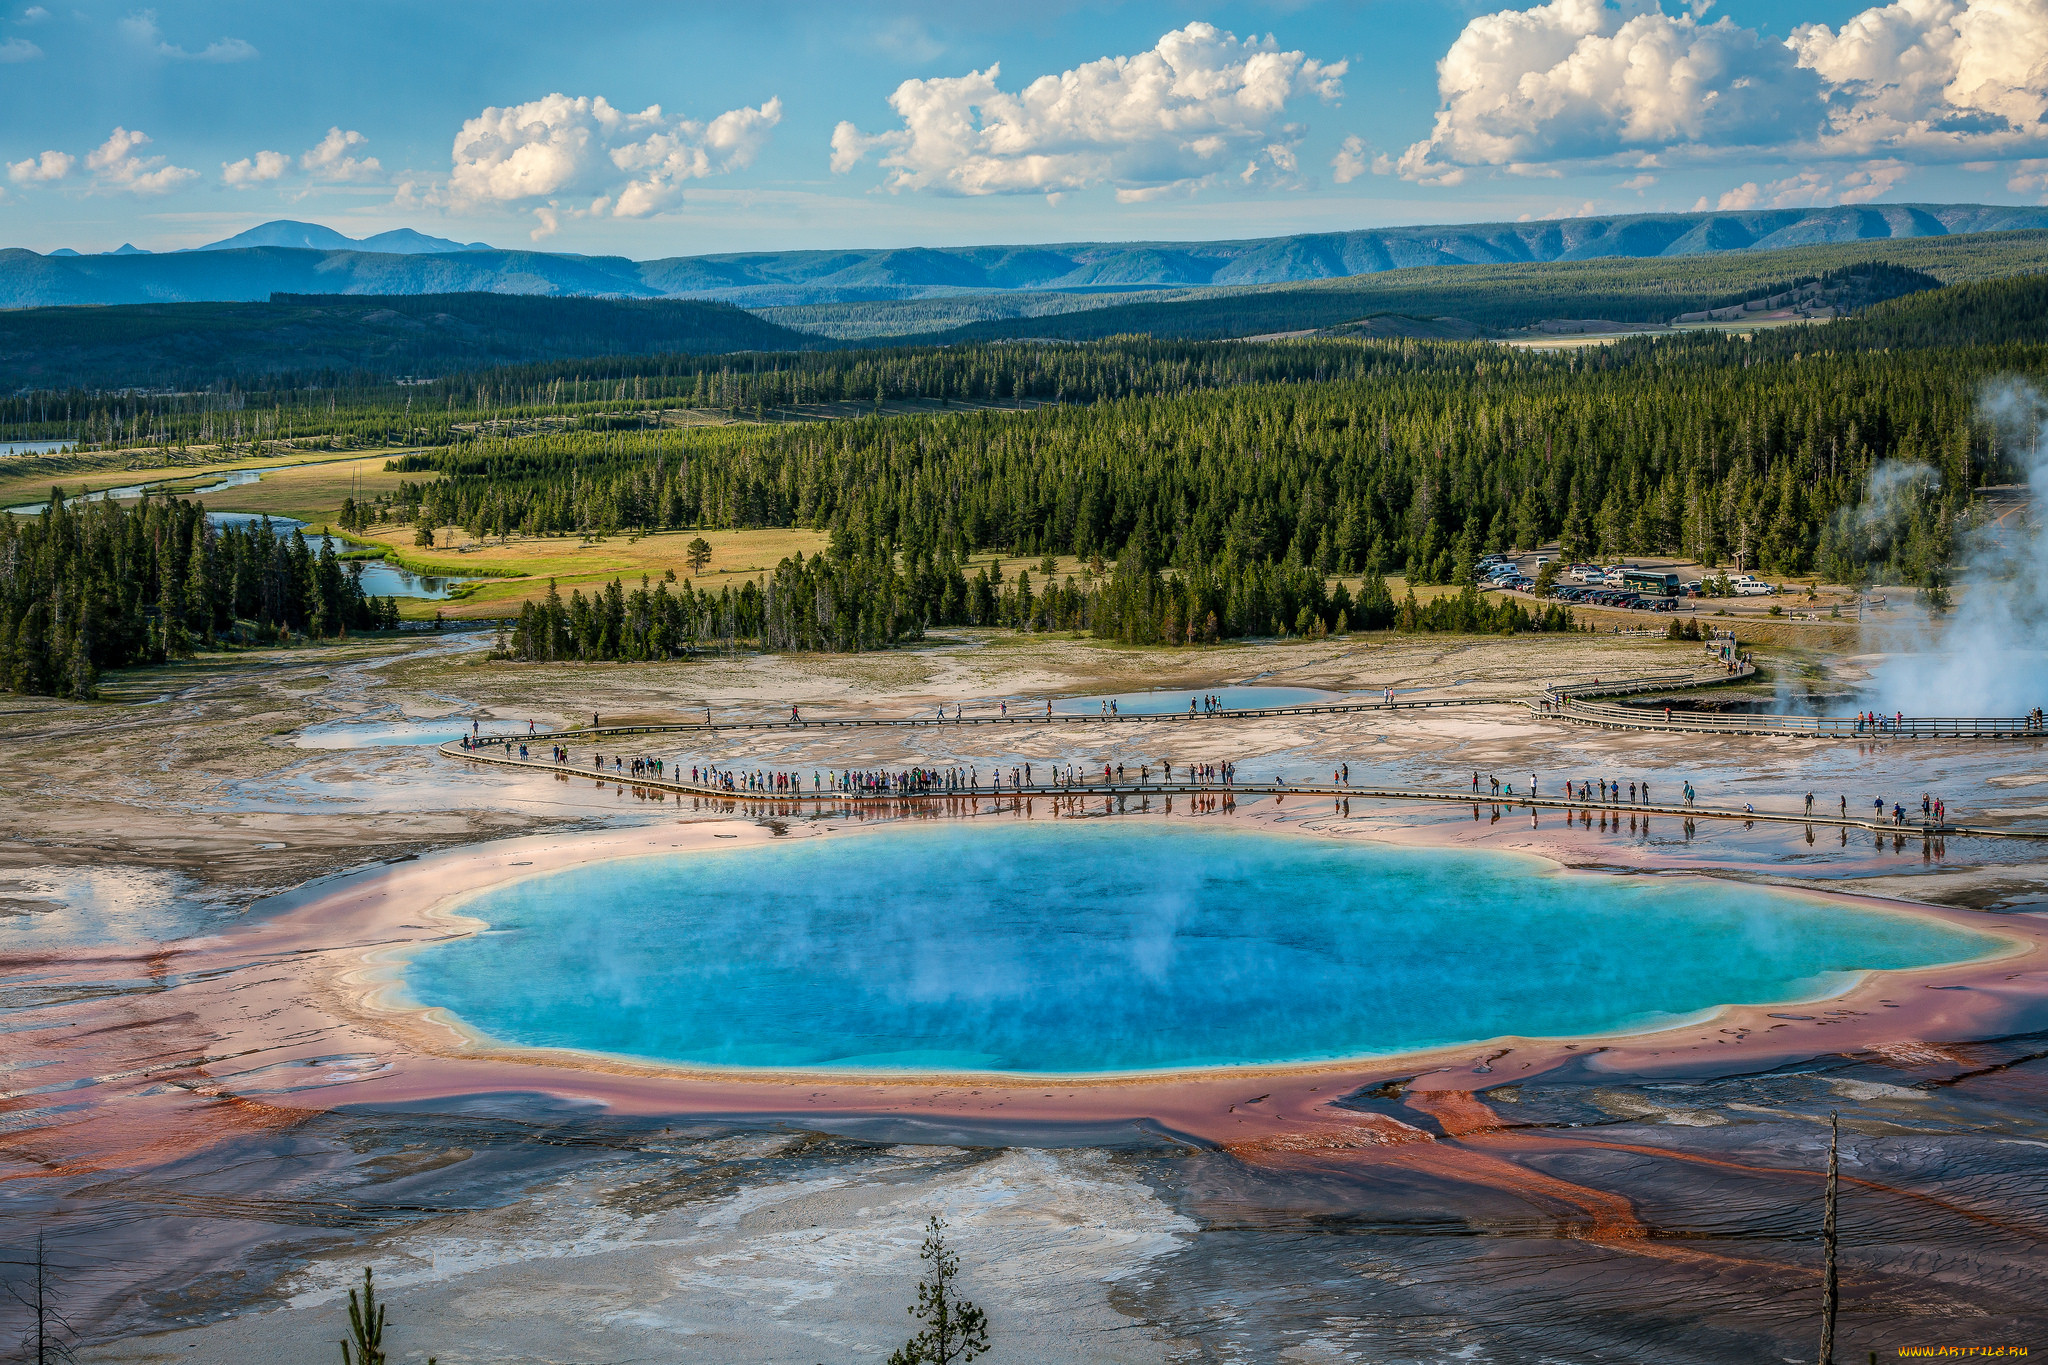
1936 76
116 167
1586 80
41 170
1350 161
1814 189
1638 183
562 151
1610 81
1167 120
330 159
1743 197
34 14
2030 177
250 171
141 28
18 50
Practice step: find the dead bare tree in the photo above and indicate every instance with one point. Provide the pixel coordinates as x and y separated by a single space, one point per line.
50 1334
1829 1291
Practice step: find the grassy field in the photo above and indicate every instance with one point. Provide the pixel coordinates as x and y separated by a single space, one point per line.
30 478
313 493
527 563
1572 342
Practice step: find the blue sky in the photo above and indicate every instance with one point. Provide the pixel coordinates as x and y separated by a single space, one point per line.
671 129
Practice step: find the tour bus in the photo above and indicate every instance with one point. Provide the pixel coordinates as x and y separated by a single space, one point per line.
1650 582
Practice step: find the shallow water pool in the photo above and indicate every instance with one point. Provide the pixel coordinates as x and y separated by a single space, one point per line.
378 732
1124 946
1169 703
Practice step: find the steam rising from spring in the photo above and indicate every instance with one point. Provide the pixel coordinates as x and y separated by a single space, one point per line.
1990 658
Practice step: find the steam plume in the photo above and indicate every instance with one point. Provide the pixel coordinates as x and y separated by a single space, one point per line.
1991 657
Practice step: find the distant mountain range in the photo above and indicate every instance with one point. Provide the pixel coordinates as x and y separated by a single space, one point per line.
304 258
313 237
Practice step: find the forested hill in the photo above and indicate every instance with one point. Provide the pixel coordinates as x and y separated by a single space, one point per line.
1414 456
322 339
1983 314
1211 489
769 278
1501 297
625 392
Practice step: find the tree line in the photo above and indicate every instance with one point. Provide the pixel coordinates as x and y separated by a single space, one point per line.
1710 449
622 393
87 587
608 393
848 602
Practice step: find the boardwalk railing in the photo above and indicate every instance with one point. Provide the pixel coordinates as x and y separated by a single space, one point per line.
1020 716
1123 793
1575 702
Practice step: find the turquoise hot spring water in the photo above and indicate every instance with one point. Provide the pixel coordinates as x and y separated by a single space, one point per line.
1124 945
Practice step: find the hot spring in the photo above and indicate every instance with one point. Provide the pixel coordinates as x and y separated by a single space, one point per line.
1118 946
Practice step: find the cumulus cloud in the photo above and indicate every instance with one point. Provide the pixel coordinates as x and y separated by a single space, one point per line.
581 157
1938 76
42 170
332 159
1611 81
1192 109
254 170
2029 177
1350 161
1584 79
115 166
18 50
142 29
1813 189
34 14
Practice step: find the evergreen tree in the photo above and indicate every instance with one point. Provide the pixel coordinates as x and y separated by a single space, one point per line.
954 1329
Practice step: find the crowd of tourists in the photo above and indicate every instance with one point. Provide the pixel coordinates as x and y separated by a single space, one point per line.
1028 777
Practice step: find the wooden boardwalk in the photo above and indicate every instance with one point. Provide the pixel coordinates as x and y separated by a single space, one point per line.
1563 701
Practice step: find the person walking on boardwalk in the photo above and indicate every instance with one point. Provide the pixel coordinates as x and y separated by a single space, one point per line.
1809 803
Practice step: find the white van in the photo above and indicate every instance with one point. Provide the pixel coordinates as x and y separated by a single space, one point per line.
1745 586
